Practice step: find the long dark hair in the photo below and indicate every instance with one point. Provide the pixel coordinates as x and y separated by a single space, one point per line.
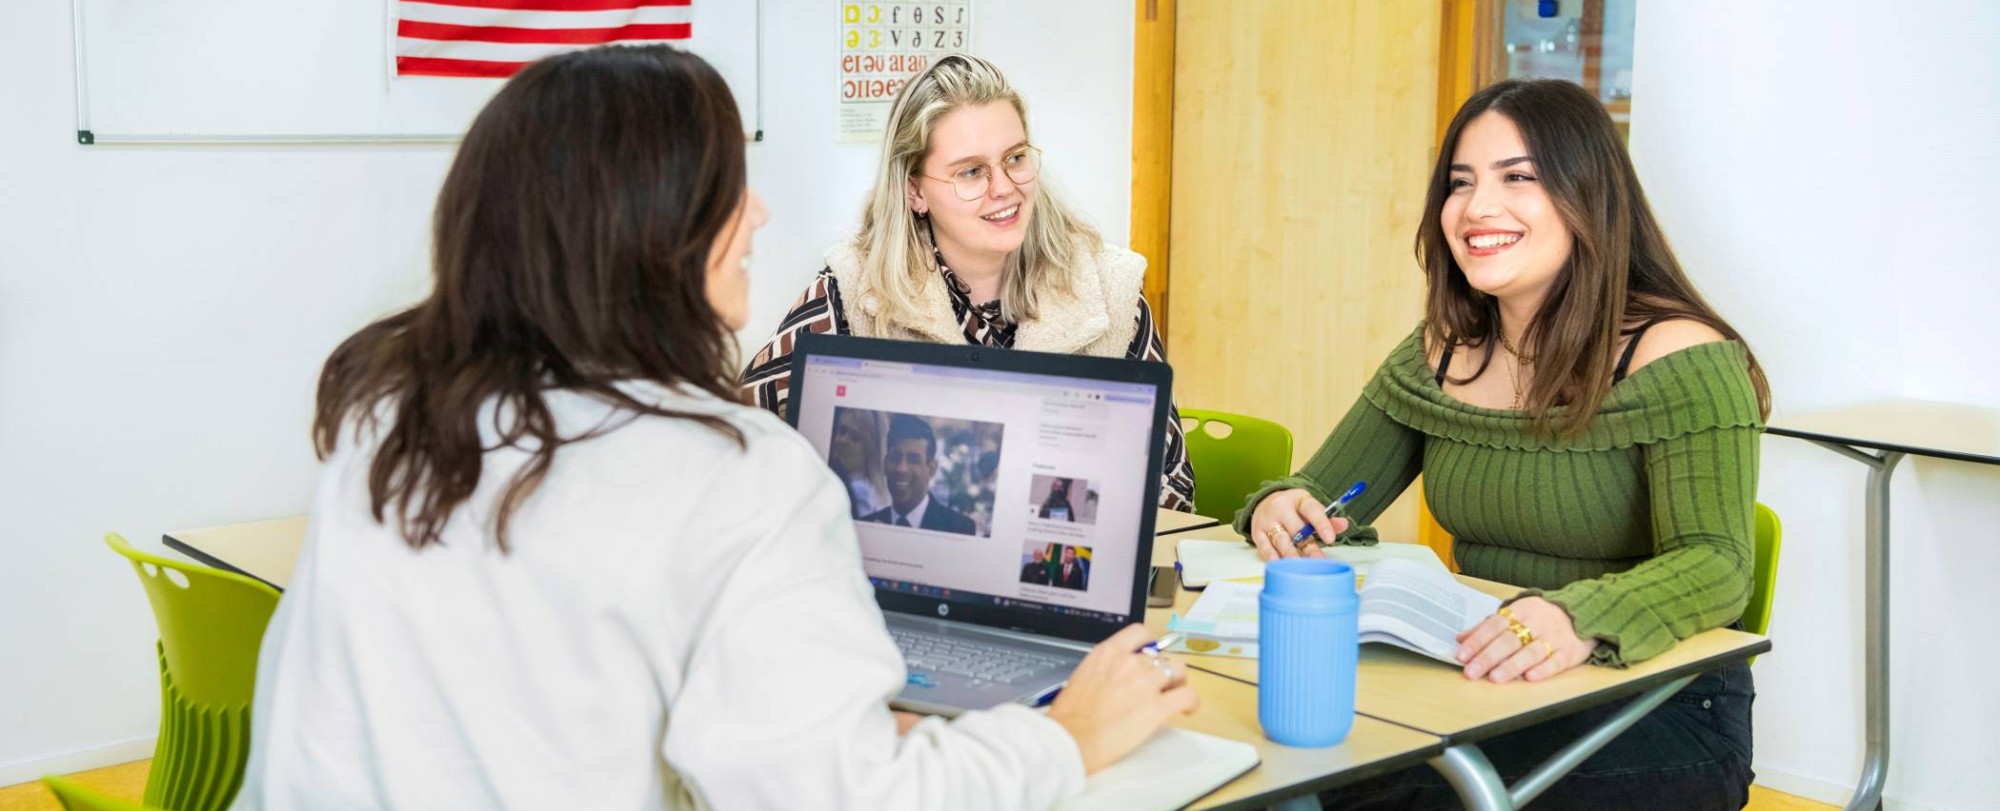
571 244
1620 273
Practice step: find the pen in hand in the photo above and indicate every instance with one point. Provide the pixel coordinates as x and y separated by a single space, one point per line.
1153 648
1306 532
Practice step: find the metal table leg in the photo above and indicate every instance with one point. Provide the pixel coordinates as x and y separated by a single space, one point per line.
1478 783
1875 557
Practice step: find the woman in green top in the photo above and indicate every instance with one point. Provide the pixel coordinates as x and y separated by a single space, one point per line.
1587 428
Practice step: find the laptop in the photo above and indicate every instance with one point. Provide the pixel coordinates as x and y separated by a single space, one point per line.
1004 501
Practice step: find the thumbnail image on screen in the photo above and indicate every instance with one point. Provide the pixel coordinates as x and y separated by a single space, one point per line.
926 473
1063 498
1063 566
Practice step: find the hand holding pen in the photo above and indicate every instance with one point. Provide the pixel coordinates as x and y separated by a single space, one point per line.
1286 521
1120 694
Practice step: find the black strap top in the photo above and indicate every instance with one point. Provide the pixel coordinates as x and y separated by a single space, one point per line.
1617 374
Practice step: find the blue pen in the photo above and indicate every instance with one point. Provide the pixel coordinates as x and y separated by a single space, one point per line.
1306 531
1153 648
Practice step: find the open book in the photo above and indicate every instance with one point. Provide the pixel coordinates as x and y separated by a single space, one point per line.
1404 603
1413 606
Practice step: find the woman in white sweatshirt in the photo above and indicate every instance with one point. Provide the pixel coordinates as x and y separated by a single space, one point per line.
554 563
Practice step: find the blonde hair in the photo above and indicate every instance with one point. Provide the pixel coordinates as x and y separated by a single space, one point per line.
894 246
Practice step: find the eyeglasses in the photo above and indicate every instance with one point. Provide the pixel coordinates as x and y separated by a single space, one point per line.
1022 166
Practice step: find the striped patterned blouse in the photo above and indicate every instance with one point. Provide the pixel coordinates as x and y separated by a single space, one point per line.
820 310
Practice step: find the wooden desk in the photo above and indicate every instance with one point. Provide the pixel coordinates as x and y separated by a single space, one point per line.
1879 435
265 550
268 550
1169 522
1423 694
1373 747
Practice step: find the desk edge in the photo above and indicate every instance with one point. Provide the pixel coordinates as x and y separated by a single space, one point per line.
207 559
1387 765
1876 444
1212 523
1580 703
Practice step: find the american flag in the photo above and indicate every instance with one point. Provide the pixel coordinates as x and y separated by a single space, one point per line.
495 38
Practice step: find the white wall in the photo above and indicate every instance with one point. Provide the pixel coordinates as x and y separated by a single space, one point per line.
163 313
1828 177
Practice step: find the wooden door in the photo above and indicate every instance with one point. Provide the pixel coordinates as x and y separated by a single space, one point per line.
1302 136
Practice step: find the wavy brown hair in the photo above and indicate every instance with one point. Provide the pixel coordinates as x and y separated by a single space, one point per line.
571 243
1620 275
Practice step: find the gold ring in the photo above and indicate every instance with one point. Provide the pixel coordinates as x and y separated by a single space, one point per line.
1551 648
1521 632
1508 614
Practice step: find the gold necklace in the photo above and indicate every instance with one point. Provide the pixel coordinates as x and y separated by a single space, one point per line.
1520 361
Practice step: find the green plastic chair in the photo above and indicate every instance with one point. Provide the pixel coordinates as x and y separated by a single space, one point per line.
211 623
1232 456
1764 580
75 797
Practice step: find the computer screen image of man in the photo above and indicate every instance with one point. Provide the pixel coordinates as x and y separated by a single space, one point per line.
934 486
1072 569
1038 563
1063 498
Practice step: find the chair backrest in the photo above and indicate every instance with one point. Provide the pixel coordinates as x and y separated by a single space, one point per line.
75 797
210 621
211 625
1764 580
1232 456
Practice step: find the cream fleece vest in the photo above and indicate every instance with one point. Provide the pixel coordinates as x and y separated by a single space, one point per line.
1097 317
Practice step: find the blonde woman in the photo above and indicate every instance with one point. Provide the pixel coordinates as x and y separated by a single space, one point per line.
962 241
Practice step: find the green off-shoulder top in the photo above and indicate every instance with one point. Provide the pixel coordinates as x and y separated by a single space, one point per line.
1639 525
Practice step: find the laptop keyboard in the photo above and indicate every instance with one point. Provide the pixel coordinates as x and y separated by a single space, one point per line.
971 659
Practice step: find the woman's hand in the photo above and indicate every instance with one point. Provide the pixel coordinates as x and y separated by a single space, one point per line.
1494 651
1281 515
1116 698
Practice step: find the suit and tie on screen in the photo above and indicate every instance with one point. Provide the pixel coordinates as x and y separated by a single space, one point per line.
909 463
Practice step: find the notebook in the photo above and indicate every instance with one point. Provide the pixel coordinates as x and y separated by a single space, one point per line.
1171 770
1203 561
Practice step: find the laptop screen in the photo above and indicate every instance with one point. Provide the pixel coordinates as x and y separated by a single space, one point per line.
1010 489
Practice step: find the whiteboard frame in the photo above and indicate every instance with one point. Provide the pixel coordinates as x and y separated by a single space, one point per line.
85 136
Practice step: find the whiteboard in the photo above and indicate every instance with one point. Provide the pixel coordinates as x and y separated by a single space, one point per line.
308 71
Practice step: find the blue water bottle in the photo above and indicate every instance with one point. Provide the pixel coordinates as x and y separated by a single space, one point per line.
1307 651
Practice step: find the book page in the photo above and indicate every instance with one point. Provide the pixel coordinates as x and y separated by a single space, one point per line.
1414 606
1226 610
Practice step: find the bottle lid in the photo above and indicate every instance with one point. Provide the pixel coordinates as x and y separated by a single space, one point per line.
1309 582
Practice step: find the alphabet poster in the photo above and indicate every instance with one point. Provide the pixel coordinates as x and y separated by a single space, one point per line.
883 45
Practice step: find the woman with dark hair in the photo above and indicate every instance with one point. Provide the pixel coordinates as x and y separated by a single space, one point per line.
554 563
1586 426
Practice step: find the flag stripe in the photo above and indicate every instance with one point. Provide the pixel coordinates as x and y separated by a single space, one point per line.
425 66
564 36
463 15
496 51
560 5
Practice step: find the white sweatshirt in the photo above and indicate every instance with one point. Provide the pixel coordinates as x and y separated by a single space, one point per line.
678 623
